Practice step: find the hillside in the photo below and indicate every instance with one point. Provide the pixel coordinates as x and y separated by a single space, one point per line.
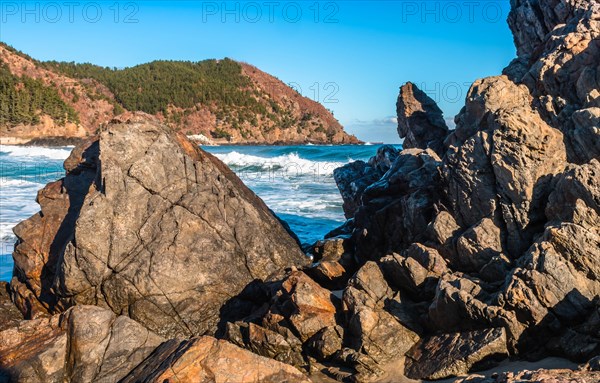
223 100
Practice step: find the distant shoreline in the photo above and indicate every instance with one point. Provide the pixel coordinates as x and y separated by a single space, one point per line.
74 141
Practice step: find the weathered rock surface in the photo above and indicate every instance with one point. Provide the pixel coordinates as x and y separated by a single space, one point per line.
147 224
538 376
207 359
559 49
354 178
375 332
398 208
501 231
443 356
10 316
420 121
85 344
283 348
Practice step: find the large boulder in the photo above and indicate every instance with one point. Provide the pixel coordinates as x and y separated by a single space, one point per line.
148 225
398 208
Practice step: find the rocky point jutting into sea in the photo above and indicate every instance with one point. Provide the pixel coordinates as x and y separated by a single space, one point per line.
150 261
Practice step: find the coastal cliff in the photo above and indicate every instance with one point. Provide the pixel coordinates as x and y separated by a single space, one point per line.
214 101
151 261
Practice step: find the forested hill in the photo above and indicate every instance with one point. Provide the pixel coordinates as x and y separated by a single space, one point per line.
223 100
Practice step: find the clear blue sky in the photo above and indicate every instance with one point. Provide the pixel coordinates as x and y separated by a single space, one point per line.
350 55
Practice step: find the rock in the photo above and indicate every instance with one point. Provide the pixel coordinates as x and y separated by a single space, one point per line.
150 226
334 264
479 245
312 306
558 44
103 347
593 364
462 304
352 179
442 231
84 344
420 121
266 343
502 161
208 359
418 271
326 342
399 207
33 352
10 316
449 355
374 332
384 158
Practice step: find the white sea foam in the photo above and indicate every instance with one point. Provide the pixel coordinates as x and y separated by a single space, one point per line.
36 151
291 163
17 202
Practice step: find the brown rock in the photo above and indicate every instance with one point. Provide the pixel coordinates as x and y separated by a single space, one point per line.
448 355
420 121
10 316
417 271
326 342
85 344
374 332
153 227
208 359
478 245
313 309
286 349
502 160
33 352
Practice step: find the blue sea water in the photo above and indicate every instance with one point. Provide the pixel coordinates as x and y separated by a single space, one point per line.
296 182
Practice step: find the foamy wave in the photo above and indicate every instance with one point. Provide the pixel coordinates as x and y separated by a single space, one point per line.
17 202
290 163
36 151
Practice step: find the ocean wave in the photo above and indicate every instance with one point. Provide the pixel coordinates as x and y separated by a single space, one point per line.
17 202
36 151
290 163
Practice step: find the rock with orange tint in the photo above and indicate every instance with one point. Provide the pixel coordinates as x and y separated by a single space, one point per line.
10 316
207 359
85 344
34 351
313 308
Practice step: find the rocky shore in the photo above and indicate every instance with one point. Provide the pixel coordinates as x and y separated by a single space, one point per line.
150 261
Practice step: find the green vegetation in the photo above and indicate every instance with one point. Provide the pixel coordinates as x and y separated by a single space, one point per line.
23 100
174 89
155 86
220 133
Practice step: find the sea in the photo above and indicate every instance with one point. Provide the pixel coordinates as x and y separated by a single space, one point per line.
296 182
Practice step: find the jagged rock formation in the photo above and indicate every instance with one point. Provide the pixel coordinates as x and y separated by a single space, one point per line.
558 43
146 224
420 121
498 230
